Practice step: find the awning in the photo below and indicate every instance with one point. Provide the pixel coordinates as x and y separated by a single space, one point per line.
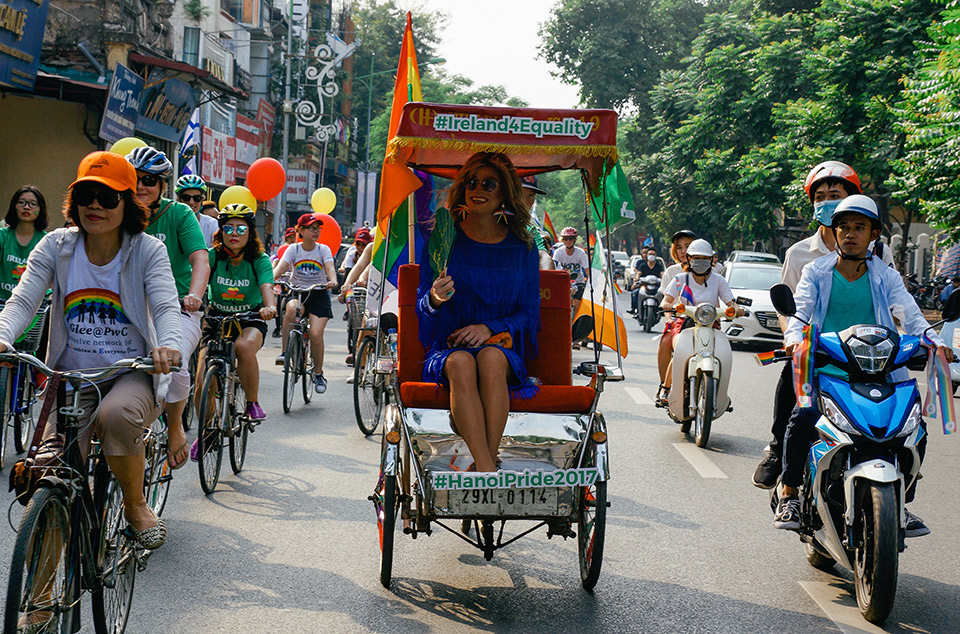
190 74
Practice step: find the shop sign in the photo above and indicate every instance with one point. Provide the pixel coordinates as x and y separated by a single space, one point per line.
248 144
123 105
218 158
300 185
166 106
22 23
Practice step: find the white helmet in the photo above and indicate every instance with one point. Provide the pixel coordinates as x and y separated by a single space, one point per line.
700 247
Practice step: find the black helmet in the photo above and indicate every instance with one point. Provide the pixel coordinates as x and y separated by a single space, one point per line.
683 233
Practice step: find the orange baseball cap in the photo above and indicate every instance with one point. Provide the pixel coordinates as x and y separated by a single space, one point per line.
107 168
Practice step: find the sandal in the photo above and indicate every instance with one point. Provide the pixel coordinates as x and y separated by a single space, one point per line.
149 538
171 457
662 396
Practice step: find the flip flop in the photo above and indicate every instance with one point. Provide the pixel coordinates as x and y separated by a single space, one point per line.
172 454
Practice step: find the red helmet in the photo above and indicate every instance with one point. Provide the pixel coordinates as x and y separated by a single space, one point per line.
831 169
568 232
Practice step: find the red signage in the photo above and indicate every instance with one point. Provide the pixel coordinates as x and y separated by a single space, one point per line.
218 158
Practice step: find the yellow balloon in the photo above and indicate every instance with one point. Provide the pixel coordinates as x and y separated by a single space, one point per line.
126 145
237 194
323 200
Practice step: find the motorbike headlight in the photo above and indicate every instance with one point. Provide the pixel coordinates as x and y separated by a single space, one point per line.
705 314
912 421
871 358
836 416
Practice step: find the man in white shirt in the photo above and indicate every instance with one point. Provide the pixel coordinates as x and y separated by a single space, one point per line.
572 258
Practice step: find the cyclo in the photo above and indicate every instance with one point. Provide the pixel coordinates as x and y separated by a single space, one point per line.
553 453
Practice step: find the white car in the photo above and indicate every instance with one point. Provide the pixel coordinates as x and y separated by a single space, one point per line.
752 257
753 281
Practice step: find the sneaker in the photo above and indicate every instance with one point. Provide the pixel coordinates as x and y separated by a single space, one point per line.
788 514
319 384
276 333
346 316
255 412
768 471
195 450
915 526
280 360
350 380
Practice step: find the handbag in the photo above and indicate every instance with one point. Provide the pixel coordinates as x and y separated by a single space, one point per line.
44 456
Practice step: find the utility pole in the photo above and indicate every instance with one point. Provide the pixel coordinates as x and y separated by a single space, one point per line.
281 213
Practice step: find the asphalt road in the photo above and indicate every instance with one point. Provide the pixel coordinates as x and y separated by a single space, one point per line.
290 545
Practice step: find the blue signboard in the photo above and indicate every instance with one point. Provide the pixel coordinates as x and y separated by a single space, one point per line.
123 105
166 106
22 23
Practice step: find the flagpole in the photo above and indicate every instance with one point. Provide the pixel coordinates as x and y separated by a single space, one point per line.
411 224
383 283
616 326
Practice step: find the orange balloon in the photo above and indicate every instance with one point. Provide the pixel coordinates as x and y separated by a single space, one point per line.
266 178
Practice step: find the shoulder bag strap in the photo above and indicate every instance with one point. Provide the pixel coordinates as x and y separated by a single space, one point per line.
53 387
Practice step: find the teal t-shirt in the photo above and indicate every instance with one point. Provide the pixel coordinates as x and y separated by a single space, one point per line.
13 258
236 288
176 226
851 303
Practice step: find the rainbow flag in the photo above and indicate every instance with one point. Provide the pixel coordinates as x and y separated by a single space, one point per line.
803 366
767 358
939 384
548 225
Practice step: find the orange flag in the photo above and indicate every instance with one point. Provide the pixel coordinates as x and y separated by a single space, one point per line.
398 181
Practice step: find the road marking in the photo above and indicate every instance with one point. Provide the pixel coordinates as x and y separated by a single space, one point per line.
638 395
696 457
840 606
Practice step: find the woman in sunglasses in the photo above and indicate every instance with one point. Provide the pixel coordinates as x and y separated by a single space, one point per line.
479 319
241 280
175 224
113 298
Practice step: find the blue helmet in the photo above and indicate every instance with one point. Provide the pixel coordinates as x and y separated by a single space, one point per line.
858 204
150 160
191 181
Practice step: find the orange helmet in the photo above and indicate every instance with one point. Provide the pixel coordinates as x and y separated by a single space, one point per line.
831 169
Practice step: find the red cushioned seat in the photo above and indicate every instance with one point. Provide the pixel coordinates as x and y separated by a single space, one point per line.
551 366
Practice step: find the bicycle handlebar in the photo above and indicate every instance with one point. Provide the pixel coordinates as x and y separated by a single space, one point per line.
140 364
250 315
301 289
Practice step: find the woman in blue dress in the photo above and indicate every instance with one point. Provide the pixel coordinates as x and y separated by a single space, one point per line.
479 319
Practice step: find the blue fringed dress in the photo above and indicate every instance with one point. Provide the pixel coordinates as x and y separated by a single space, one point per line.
497 285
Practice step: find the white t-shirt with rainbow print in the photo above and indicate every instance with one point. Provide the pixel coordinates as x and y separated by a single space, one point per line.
307 266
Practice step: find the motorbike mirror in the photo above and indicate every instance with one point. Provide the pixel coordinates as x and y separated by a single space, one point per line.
744 301
782 298
951 310
582 327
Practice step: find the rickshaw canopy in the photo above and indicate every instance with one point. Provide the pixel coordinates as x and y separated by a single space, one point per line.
439 138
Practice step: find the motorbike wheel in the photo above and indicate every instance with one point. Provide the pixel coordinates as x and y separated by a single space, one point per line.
706 397
875 558
648 320
817 559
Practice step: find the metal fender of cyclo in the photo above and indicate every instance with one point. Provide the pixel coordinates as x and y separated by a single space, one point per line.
876 470
391 452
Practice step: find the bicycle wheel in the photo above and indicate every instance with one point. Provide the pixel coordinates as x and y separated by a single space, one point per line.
190 409
26 409
37 590
157 475
306 368
116 564
241 428
366 398
291 364
209 432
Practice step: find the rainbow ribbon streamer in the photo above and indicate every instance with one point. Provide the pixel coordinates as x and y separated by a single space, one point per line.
803 366
767 358
617 286
938 382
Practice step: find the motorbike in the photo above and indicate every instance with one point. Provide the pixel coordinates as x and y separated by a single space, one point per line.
648 302
852 498
702 363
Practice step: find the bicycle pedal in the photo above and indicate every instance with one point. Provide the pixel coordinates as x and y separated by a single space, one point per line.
730 407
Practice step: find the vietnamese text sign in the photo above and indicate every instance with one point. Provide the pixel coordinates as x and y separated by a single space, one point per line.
166 106
300 185
123 105
22 23
248 139
217 158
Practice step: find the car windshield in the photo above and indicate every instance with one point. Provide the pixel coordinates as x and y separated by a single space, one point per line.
760 278
757 257
619 255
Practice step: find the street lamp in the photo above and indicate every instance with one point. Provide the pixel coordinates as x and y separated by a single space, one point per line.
366 80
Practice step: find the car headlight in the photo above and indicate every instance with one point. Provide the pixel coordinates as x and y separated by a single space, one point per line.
836 416
871 358
912 421
705 314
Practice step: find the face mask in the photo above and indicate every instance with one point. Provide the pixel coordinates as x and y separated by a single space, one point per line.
823 211
651 259
700 267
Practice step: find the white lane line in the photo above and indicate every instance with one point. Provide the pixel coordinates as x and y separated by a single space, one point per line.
696 457
638 395
840 606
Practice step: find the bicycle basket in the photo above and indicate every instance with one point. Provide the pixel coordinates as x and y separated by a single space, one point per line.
29 341
356 307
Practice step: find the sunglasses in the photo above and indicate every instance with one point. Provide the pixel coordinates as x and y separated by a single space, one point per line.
489 184
148 180
240 230
571 239
185 198
105 197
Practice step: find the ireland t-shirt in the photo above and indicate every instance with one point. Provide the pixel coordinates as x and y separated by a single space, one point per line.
14 258
307 266
236 288
176 226
98 330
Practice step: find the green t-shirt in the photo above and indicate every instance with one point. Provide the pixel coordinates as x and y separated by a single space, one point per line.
851 303
537 237
13 258
176 226
236 288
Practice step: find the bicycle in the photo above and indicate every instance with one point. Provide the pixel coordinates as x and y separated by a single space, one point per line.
73 536
222 414
18 389
374 370
188 409
297 360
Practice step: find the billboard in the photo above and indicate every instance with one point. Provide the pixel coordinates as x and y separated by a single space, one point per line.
22 24
166 106
123 105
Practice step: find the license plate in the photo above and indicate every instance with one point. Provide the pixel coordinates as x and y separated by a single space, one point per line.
541 501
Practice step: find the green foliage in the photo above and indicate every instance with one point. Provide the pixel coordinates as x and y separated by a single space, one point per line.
196 9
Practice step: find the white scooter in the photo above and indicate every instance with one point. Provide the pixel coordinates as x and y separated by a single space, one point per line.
702 363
